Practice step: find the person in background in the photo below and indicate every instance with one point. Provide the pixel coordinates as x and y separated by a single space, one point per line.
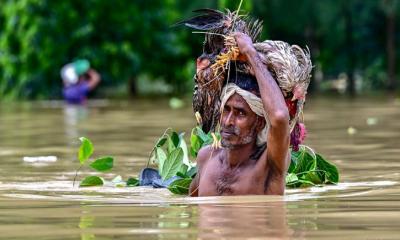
79 79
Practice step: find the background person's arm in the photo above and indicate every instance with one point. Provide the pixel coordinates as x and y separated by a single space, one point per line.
93 79
274 105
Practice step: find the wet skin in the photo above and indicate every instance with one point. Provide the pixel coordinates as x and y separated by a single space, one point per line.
231 170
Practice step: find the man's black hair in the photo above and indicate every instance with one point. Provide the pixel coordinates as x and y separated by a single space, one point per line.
244 81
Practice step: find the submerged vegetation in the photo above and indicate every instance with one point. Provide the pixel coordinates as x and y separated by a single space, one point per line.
102 164
172 156
307 168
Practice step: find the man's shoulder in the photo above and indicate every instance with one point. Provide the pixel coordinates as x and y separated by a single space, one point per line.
205 153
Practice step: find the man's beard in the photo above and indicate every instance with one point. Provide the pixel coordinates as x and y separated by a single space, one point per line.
237 132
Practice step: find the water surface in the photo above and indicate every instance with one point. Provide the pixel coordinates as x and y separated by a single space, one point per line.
38 201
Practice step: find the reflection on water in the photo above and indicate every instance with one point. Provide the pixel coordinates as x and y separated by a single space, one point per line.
243 220
40 198
73 115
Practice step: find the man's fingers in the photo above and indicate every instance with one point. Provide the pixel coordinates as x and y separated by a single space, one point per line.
238 35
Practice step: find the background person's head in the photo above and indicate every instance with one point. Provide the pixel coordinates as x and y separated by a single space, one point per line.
74 72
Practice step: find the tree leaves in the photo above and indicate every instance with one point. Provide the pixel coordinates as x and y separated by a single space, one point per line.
291 178
180 186
102 164
91 181
331 172
172 158
161 157
173 164
132 182
85 150
161 141
199 139
310 169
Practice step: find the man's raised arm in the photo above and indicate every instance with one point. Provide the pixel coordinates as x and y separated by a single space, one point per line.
274 104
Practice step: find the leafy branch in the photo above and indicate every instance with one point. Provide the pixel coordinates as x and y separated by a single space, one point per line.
101 164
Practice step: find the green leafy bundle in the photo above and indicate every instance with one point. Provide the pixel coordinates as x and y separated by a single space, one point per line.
308 168
171 156
199 139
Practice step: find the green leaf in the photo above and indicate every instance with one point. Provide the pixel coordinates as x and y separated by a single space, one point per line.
291 178
132 182
299 183
183 169
330 170
192 172
313 177
175 139
182 144
102 164
293 161
171 145
204 137
85 150
153 157
172 164
179 174
161 141
305 162
195 143
180 186
161 158
305 183
311 169
210 139
193 153
91 181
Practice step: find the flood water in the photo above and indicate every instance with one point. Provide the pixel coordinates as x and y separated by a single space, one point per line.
38 200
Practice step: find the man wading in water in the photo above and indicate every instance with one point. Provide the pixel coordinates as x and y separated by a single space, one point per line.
255 136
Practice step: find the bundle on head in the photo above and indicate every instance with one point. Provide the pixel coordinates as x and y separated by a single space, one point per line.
290 66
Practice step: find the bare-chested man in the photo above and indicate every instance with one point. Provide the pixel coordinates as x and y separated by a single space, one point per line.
255 151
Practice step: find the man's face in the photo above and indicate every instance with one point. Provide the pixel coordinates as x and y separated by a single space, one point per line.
240 125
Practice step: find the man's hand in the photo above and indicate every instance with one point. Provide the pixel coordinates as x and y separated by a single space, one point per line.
94 78
245 44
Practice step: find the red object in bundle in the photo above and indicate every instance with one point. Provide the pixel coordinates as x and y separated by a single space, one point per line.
292 107
298 135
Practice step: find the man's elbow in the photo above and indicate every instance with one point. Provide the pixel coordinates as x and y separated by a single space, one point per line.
280 118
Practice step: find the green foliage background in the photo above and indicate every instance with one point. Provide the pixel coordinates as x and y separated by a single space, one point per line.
127 39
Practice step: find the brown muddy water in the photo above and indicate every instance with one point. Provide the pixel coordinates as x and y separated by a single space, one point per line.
38 201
